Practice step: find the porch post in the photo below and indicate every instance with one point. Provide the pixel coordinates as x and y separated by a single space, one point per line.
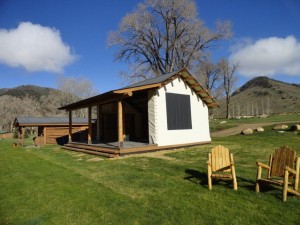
23 136
120 123
90 125
70 126
98 121
19 136
45 135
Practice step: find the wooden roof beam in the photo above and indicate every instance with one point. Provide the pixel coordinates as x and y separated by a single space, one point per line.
201 92
195 85
128 90
212 105
189 78
208 97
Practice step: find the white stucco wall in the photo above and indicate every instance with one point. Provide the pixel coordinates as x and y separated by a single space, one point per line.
199 115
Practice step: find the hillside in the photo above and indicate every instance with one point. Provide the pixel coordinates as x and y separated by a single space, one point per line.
263 95
32 91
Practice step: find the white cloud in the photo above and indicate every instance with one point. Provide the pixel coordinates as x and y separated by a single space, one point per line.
268 57
35 48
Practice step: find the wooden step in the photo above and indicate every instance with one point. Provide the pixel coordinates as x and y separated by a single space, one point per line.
108 155
93 147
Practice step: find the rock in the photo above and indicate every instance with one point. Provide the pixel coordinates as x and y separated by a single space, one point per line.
281 127
247 131
260 129
223 122
263 116
295 127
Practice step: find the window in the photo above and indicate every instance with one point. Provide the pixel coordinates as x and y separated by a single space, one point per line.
178 111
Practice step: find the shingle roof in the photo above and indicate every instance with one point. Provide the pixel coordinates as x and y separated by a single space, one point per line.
154 80
143 85
19 121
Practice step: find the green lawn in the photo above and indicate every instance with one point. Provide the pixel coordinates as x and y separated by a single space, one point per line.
52 186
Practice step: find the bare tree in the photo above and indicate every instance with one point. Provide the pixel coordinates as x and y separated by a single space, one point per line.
229 78
163 36
11 107
49 105
208 74
73 89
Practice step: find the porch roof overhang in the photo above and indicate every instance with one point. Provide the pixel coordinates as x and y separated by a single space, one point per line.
48 121
153 83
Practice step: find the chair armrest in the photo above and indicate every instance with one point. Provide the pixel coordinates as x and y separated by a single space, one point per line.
263 165
290 170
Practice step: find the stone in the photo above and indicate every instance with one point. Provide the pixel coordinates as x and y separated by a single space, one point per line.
263 116
280 127
260 129
247 131
295 127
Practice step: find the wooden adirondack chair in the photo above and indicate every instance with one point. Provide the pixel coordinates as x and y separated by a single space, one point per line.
220 165
283 171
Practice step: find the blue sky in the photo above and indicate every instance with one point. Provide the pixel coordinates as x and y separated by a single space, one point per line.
266 39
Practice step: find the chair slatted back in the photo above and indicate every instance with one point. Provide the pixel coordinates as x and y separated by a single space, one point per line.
283 156
220 159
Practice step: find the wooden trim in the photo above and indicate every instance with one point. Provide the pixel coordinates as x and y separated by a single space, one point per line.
128 90
90 125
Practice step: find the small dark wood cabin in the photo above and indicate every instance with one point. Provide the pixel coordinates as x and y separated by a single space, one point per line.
51 130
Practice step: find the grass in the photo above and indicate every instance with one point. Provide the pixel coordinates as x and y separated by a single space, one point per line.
51 186
216 125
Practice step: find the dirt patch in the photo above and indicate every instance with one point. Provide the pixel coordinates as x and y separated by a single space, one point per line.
157 154
79 155
94 159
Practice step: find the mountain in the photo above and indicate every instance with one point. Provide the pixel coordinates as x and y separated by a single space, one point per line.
33 91
263 95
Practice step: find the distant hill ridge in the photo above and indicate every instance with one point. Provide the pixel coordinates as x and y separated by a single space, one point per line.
263 95
263 82
31 90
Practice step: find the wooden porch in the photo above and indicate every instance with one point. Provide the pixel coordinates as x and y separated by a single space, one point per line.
112 149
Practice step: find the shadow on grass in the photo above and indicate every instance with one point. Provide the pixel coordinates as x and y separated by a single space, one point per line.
198 177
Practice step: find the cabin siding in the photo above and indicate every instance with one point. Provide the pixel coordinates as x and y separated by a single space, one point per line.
199 117
152 116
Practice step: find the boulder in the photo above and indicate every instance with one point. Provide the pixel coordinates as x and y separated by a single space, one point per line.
295 127
247 131
280 127
263 116
260 129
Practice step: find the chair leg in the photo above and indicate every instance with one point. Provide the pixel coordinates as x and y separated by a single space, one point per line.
258 176
285 185
209 173
209 183
235 186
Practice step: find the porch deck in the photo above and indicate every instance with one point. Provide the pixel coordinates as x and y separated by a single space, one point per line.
112 149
